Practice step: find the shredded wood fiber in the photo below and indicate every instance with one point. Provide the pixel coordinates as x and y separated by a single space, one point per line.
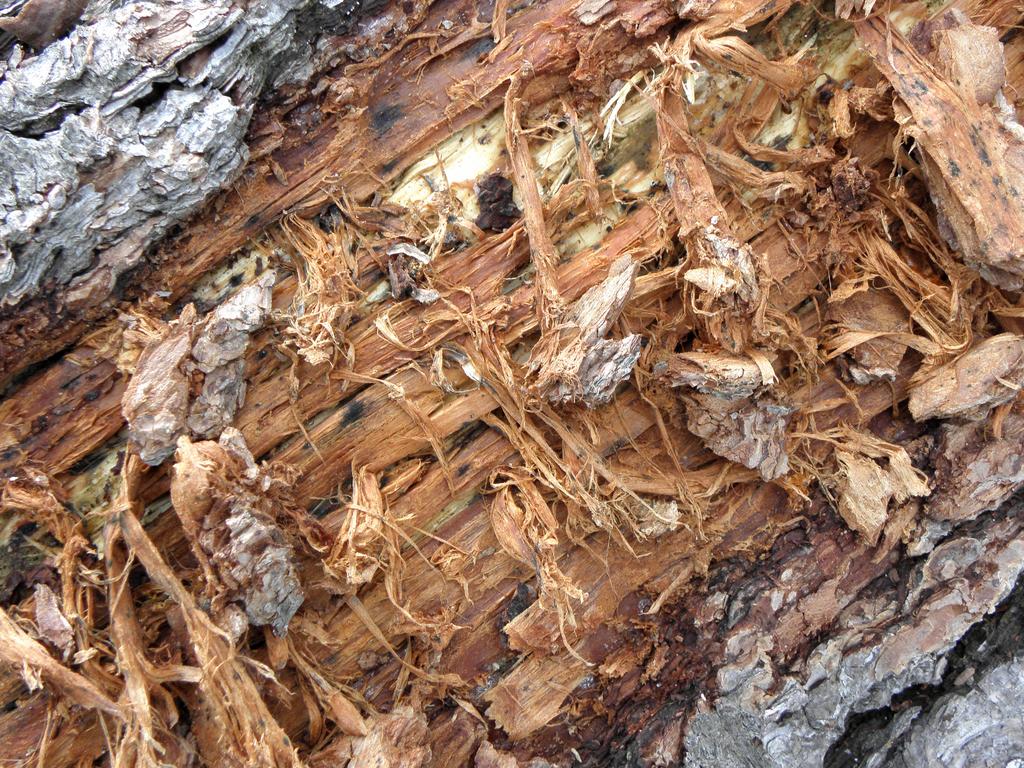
563 381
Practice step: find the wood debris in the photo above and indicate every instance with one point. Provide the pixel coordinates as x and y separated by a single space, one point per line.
748 431
53 626
872 474
156 401
732 408
971 153
355 556
233 529
727 376
874 319
547 383
218 351
975 471
573 361
989 374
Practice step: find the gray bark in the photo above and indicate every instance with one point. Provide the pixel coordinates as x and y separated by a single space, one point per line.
884 644
129 123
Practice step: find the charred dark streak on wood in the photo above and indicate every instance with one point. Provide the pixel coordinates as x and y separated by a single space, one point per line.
383 118
353 412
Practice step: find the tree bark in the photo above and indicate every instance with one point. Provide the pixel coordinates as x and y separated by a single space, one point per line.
436 384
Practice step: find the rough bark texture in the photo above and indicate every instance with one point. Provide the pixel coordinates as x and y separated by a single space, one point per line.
626 383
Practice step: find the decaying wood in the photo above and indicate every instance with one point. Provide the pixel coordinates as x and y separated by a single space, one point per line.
619 383
989 374
971 151
573 360
233 529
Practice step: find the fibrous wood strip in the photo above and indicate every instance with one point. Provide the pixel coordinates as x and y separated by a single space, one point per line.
84 383
384 121
457 603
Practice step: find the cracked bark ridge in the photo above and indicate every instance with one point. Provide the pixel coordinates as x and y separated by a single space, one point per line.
883 643
128 124
979 728
255 561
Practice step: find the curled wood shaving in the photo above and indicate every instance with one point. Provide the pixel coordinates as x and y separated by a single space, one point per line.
788 77
36 496
935 306
773 186
327 294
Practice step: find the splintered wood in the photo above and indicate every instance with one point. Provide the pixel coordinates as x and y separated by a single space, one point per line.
429 472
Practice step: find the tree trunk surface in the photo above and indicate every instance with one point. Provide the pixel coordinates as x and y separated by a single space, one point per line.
615 382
